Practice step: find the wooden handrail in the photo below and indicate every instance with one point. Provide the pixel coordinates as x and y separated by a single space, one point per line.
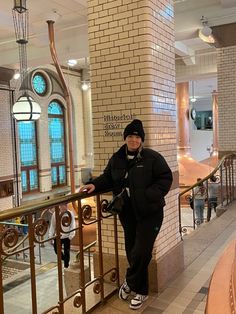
34 207
220 163
225 168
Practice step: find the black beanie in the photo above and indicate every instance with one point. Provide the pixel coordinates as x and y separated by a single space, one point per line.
135 128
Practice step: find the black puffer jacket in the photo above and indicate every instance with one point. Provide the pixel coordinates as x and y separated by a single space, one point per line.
149 180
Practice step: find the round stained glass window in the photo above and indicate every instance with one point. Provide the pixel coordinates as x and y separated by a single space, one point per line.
39 84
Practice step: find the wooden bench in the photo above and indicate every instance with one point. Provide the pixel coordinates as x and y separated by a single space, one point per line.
221 297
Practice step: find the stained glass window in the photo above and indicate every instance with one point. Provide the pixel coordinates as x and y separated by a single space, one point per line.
28 156
39 84
24 181
57 143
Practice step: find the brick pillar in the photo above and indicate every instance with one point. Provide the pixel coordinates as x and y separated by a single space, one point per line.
133 76
182 101
7 157
226 68
215 122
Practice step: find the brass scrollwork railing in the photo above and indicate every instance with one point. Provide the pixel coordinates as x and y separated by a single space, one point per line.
38 227
225 175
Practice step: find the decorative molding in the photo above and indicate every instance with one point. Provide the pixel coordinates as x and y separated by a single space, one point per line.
5 75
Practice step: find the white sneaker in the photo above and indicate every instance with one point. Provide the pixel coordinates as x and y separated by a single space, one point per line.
124 291
137 301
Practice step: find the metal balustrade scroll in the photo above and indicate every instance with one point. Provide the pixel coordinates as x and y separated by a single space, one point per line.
37 235
225 175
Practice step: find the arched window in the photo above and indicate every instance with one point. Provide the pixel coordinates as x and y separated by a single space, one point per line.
28 156
57 143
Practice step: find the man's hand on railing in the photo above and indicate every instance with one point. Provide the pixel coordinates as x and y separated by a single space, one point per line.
89 188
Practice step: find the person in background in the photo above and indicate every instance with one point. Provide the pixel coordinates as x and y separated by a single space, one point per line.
199 195
213 187
147 178
66 236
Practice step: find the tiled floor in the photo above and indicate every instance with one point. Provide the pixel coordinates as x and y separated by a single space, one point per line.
186 294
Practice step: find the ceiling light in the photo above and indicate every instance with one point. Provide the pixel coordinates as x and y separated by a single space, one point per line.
205 34
85 86
72 62
193 98
25 108
207 39
206 30
16 76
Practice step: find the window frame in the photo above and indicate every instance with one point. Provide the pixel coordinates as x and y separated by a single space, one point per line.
58 164
31 167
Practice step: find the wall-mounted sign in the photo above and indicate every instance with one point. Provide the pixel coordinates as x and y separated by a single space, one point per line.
113 123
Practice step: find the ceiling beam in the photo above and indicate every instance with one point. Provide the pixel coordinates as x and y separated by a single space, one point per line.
185 52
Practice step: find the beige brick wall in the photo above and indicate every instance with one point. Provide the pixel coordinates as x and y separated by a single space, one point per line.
133 75
226 67
6 155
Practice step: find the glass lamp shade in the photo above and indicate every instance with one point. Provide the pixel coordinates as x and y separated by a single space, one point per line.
206 30
26 109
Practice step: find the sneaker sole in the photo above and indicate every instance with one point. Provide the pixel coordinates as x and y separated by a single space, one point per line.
136 307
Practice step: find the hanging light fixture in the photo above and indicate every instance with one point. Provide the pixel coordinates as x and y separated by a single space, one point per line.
193 98
205 34
25 109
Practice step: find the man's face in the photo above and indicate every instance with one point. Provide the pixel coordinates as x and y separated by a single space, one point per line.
133 142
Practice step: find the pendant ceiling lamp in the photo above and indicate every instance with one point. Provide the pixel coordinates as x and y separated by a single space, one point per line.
193 98
25 109
205 33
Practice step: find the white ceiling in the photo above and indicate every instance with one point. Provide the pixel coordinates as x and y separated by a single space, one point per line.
72 39
70 31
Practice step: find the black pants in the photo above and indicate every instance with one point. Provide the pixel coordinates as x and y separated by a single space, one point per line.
65 254
212 203
139 240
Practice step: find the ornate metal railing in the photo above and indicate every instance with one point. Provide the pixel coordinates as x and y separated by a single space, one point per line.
23 241
225 174
38 226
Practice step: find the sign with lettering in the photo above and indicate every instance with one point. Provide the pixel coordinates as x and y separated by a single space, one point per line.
113 123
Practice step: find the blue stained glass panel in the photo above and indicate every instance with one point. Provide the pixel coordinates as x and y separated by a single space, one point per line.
33 179
57 152
24 181
39 84
57 142
26 130
55 108
56 128
54 175
27 139
28 155
62 174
